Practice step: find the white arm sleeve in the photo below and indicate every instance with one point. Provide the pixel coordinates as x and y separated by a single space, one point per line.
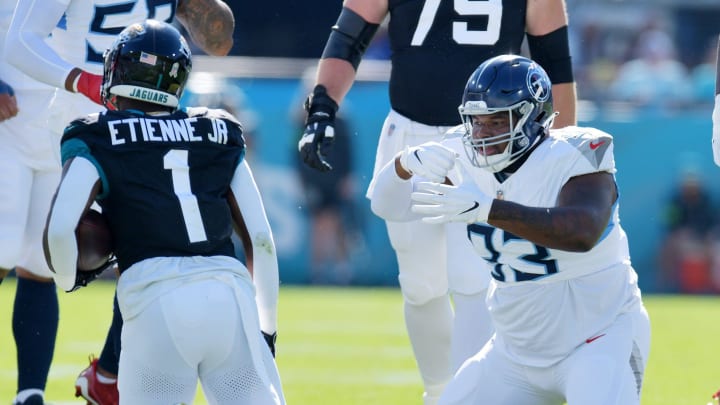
716 130
72 196
390 198
265 263
25 45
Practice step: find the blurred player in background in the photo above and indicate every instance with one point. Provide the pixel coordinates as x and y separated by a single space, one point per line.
541 209
172 184
716 112
435 46
71 60
30 163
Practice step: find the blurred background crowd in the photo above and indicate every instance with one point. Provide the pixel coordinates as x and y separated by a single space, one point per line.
645 73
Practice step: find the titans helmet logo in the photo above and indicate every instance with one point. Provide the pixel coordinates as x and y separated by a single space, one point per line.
538 83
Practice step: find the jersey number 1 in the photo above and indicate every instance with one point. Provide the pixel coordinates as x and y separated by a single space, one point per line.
177 162
460 32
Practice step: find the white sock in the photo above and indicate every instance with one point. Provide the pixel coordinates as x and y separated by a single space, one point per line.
472 327
104 380
429 328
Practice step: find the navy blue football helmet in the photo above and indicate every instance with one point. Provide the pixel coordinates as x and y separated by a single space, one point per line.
520 87
149 61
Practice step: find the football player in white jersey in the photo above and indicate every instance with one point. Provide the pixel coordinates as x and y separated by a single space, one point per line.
61 43
541 208
30 163
435 45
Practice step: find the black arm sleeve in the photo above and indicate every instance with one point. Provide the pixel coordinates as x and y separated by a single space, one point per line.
552 52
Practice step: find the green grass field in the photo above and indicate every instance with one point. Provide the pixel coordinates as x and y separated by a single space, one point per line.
348 346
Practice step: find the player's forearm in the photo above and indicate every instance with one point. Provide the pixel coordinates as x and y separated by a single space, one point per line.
210 24
563 228
337 75
390 199
564 96
267 281
25 45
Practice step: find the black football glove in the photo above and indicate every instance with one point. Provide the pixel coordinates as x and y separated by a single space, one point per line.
319 131
84 277
270 340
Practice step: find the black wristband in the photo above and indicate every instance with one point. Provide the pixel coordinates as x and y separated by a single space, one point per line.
320 101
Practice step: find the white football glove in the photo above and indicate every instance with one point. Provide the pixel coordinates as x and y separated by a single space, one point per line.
441 203
430 160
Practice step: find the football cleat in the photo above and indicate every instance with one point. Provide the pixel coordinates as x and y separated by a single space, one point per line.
35 399
92 390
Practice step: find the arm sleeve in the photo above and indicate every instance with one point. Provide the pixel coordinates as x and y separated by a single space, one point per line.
716 130
26 47
390 196
72 196
265 263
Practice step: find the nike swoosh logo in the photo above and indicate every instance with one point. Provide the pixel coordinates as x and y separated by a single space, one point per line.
595 145
592 339
471 208
417 157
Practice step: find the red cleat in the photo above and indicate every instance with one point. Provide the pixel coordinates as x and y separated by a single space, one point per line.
95 392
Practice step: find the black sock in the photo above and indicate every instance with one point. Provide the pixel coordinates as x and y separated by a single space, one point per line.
110 356
35 325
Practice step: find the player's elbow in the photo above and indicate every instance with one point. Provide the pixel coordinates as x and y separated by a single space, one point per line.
383 210
263 244
221 48
11 42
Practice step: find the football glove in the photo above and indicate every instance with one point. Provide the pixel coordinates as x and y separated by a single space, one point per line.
85 277
270 340
319 133
441 203
430 160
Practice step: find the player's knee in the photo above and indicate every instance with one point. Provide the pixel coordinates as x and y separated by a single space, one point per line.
418 292
25 273
9 254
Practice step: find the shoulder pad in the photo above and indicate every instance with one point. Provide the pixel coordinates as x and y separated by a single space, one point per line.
592 143
216 113
79 125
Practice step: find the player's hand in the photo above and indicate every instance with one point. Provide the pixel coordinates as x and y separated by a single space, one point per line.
85 277
8 103
270 339
430 160
319 133
441 203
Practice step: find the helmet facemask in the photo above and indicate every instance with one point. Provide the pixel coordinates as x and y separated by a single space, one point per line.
516 139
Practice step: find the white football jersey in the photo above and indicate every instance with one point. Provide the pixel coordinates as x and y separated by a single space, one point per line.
52 37
89 27
49 38
546 302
